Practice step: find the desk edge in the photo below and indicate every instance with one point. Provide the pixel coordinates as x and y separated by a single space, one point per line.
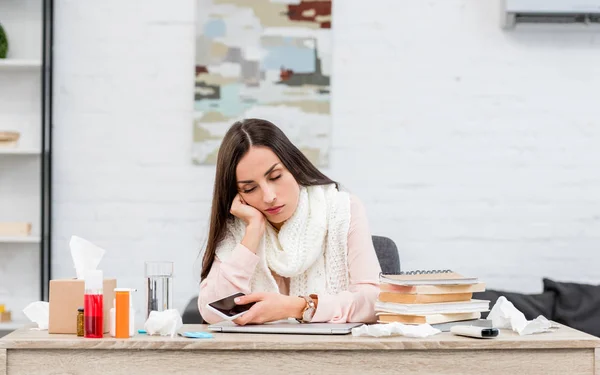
351 345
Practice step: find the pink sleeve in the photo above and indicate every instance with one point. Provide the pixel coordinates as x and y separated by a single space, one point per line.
358 303
225 279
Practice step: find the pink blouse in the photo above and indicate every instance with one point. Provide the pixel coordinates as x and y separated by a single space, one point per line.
353 305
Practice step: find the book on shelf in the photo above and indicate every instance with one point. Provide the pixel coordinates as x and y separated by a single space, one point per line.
15 229
5 317
9 138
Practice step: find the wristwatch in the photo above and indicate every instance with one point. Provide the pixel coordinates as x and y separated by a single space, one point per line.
310 308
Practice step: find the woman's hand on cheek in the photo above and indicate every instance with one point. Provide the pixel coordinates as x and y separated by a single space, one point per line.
269 307
245 212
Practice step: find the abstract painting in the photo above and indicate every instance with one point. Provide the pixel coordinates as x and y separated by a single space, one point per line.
267 59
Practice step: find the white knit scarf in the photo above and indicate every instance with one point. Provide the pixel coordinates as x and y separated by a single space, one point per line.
311 248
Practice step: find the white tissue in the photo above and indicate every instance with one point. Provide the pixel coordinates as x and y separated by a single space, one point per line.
38 312
505 315
164 323
86 256
395 328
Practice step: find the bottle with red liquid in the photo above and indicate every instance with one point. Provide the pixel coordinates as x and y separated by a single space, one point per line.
93 312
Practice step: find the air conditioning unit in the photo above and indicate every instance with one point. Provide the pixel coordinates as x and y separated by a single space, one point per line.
550 11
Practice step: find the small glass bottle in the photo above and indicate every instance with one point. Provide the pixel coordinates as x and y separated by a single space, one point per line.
80 322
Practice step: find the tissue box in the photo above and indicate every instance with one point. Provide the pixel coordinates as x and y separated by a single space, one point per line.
66 296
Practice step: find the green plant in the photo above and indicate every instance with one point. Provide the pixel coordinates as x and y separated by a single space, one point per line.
3 43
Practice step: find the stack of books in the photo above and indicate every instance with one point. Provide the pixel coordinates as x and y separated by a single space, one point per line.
433 297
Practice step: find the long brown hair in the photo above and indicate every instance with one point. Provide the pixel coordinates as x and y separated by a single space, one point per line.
236 143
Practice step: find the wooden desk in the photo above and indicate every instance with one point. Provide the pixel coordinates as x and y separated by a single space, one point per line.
564 351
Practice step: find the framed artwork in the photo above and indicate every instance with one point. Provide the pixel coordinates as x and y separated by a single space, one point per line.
267 59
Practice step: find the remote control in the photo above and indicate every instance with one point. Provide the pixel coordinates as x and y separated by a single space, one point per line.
473 331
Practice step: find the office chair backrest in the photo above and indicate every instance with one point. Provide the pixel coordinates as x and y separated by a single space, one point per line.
387 254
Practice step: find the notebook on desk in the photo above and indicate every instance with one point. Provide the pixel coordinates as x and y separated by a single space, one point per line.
286 326
427 277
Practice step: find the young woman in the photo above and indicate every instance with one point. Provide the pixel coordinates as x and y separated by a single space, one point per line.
285 235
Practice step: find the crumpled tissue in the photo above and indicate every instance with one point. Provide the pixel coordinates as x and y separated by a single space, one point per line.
505 315
38 312
395 329
163 323
86 256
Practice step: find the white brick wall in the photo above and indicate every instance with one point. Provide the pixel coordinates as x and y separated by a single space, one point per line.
472 148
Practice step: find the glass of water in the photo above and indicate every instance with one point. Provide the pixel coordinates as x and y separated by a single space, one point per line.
159 286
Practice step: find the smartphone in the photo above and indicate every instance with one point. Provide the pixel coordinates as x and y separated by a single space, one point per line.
474 331
227 309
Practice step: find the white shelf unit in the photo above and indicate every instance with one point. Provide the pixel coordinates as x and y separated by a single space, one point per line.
23 239
19 151
19 64
25 88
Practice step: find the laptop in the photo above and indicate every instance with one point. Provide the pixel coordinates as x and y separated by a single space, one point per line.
286 326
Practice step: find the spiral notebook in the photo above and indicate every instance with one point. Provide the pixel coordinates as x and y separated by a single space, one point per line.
427 277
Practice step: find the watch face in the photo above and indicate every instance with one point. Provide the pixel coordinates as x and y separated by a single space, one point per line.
308 314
